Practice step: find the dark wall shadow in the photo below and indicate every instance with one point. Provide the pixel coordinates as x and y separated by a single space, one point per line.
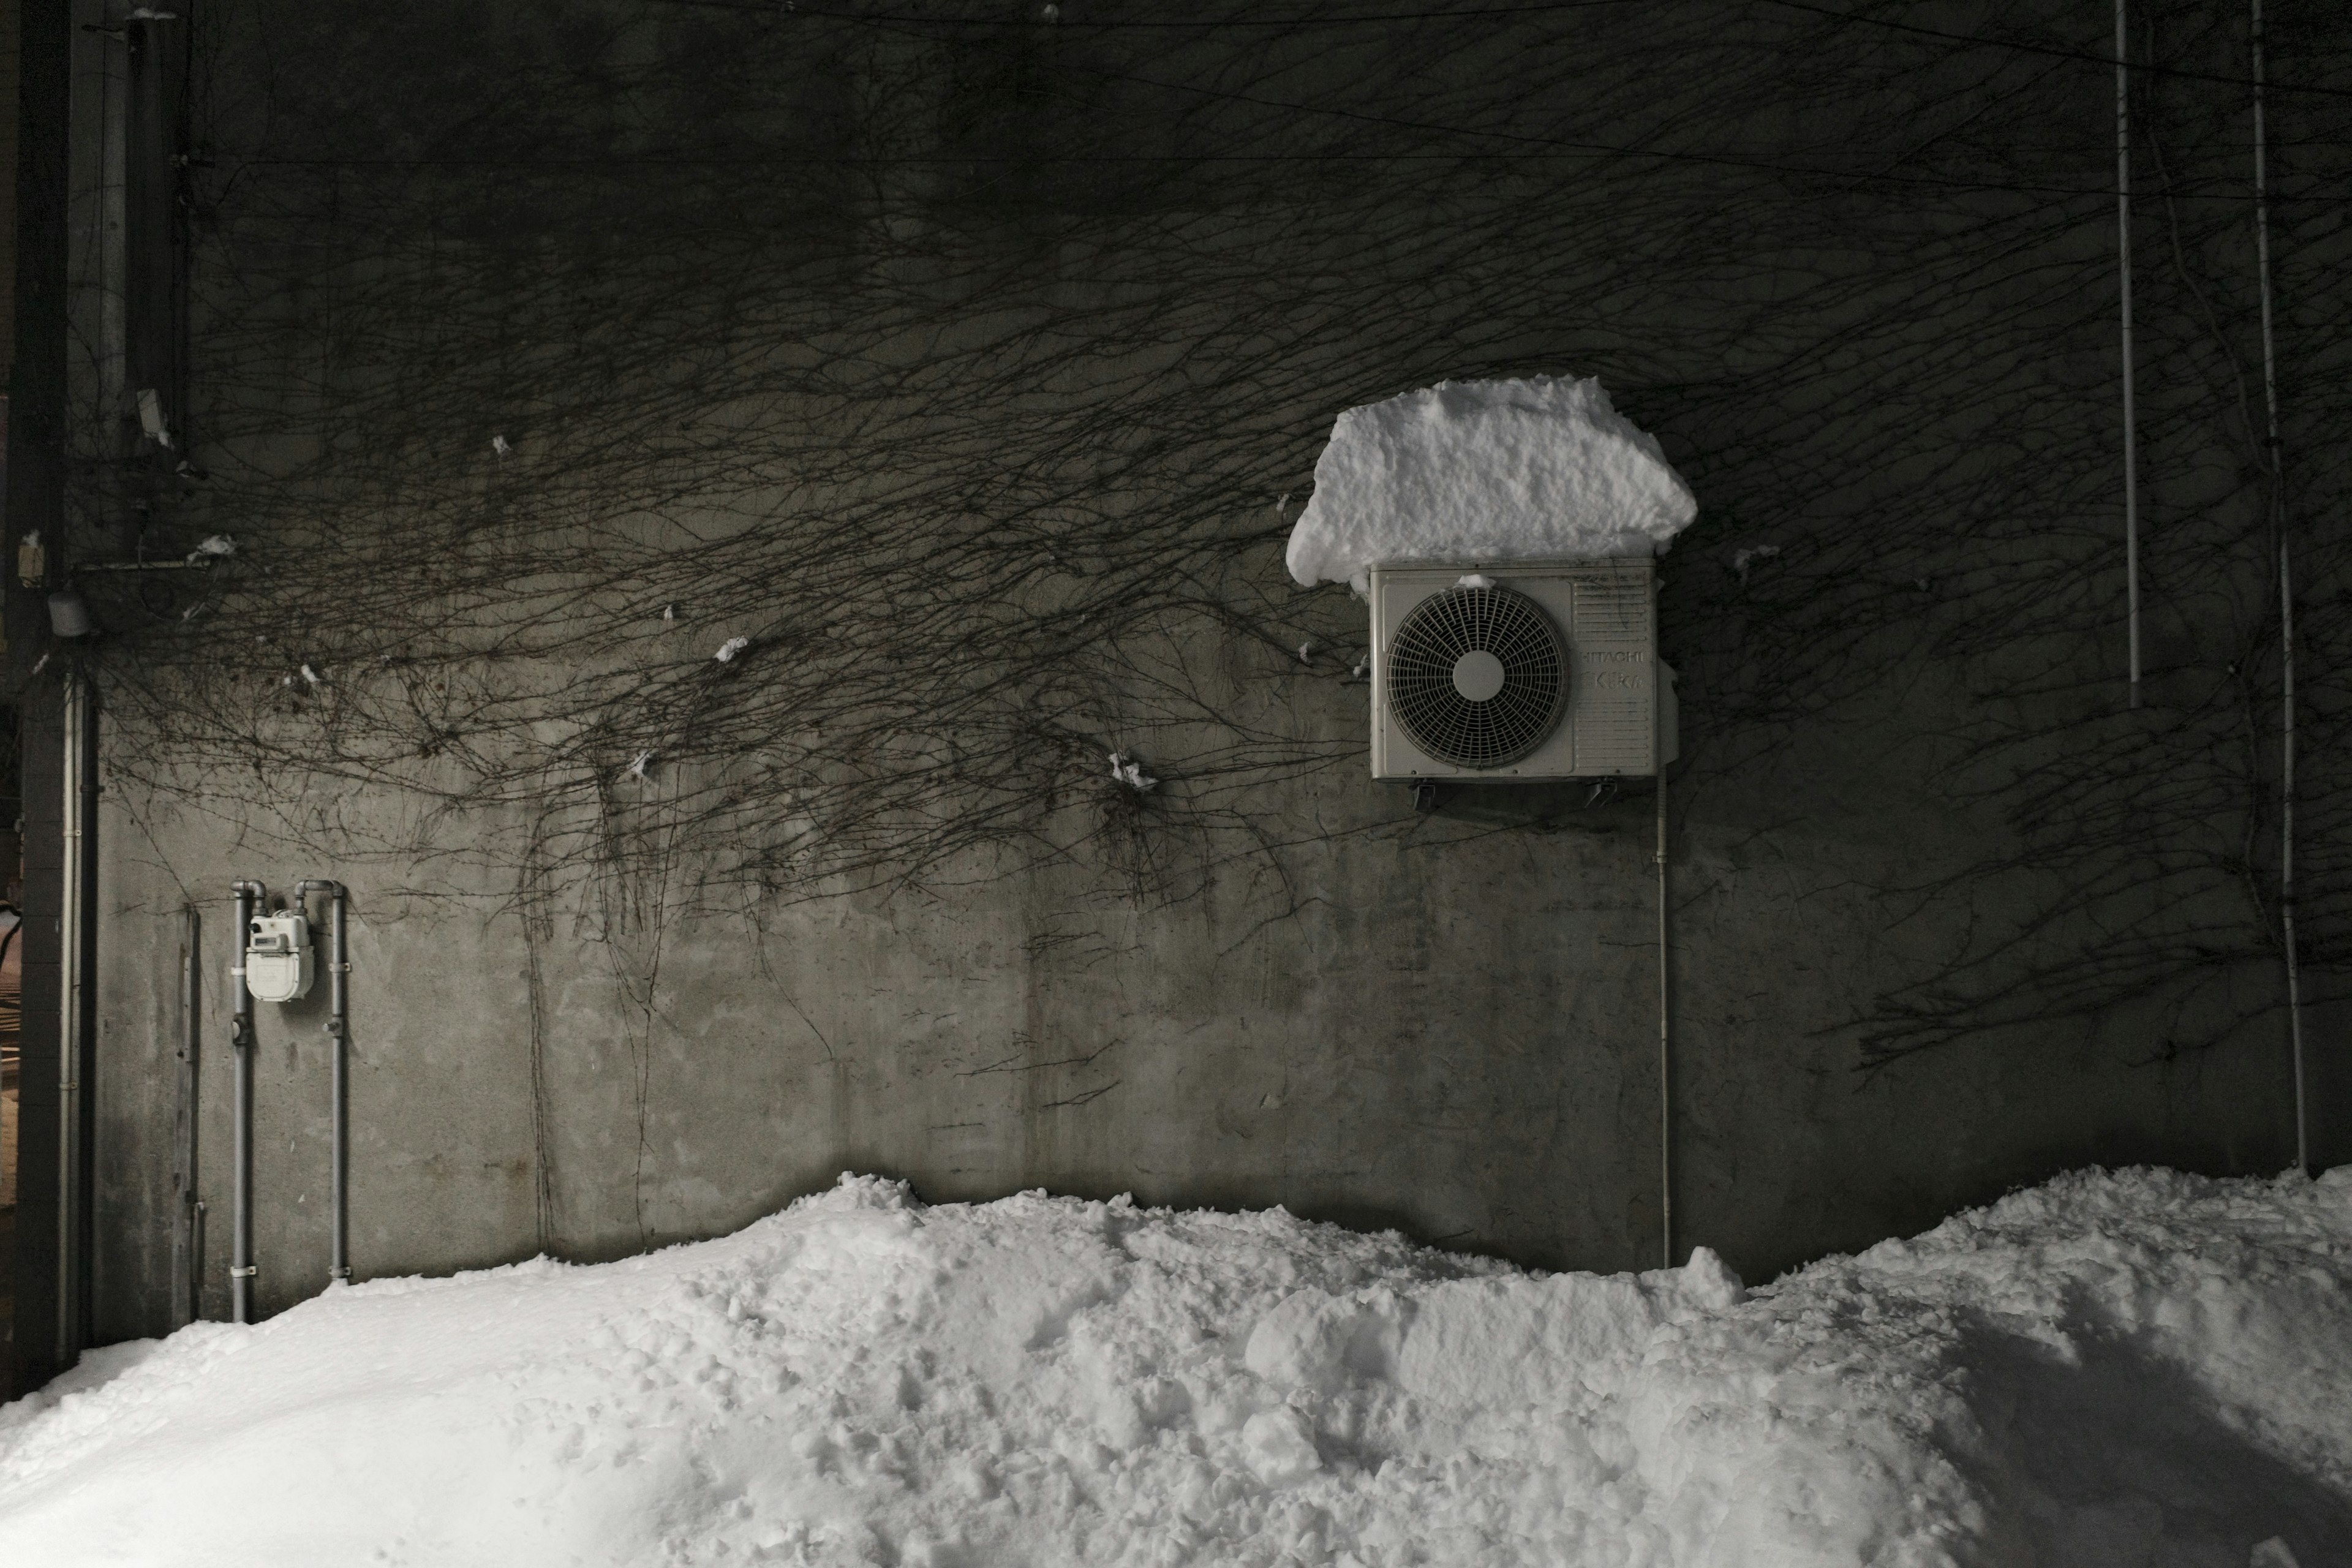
2120 1462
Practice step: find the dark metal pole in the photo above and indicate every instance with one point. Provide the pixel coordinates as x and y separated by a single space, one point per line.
187 1261
36 418
1665 1036
240 1039
2131 420
339 969
77 1243
2274 462
340 1268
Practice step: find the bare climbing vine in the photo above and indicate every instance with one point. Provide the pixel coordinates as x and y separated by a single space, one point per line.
778 450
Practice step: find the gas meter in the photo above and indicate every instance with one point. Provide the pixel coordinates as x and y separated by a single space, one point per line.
277 962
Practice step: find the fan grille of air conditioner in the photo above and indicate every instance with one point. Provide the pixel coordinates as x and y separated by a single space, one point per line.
1428 701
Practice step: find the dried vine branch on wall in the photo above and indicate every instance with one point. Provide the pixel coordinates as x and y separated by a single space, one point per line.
804 445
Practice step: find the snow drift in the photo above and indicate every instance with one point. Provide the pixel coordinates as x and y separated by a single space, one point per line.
1487 470
2139 1368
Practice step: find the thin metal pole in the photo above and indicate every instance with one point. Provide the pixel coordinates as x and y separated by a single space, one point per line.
73 1196
240 1039
187 1262
2131 418
1666 1054
339 1265
339 970
2286 611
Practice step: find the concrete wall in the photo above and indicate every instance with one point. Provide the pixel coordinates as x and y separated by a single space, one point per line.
1442 1024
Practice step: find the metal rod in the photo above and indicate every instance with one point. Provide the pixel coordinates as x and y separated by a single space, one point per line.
73 1198
240 1039
187 1262
2131 420
200 565
339 970
340 1266
2276 465
1665 1053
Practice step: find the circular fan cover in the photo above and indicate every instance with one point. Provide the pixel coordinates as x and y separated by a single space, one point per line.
1478 677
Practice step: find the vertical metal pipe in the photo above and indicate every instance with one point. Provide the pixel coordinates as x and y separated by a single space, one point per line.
1665 1053
187 1260
338 1023
240 1244
69 1013
339 969
240 1039
2131 418
2276 465
72 1197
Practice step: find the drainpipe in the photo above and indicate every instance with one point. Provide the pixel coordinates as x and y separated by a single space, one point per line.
1665 1039
187 1255
2286 612
75 905
240 1039
2131 421
339 969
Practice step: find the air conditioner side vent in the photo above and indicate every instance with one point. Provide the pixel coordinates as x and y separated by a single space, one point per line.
1614 635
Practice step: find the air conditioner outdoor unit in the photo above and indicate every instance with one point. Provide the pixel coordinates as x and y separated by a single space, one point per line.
1519 671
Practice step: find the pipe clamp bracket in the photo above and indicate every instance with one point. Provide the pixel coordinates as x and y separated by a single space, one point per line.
246 1273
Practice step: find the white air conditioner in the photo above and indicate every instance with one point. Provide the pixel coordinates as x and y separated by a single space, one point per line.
1519 671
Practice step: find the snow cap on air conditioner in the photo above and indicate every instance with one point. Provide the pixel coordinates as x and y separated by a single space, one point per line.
1541 469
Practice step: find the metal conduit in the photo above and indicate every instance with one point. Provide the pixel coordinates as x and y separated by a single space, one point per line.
1665 1038
2131 420
2274 461
240 1039
188 1242
74 905
339 970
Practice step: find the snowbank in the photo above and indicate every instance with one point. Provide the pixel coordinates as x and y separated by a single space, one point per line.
2140 1368
1487 470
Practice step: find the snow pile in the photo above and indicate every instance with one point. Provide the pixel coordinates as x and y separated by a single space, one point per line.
2142 1368
1487 470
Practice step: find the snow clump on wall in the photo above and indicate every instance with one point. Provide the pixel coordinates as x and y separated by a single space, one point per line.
1487 470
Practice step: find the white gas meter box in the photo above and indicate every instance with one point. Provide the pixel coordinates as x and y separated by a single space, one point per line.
277 958
1519 671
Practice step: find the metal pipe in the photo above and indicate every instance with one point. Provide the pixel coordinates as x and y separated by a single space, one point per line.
2131 420
240 1039
339 970
187 1262
1666 1054
199 565
73 1196
2276 465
